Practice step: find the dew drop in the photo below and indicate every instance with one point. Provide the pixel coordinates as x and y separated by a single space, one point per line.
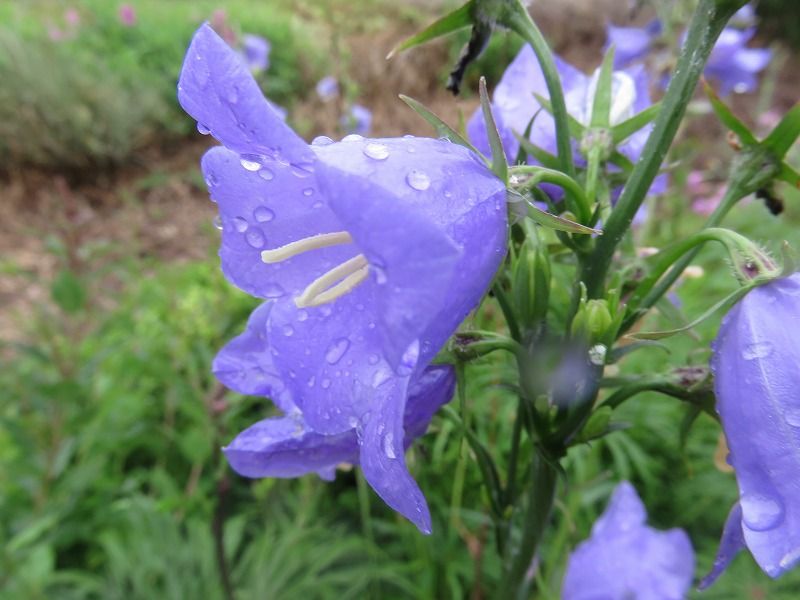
317 204
326 383
760 512
353 137
302 315
757 350
792 416
273 290
308 192
388 448
250 162
266 174
288 330
240 224
202 129
254 237
380 275
211 180
418 180
302 170
311 381
409 359
263 215
376 151
321 140
337 350
380 377
373 359
217 222
233 94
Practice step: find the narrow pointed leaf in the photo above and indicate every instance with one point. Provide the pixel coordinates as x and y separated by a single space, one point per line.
789 175
499 165
540 154
723 304
522 153
546 219
622 161
628 127
442 129
601 105
458 19
785 134
576 128
727 117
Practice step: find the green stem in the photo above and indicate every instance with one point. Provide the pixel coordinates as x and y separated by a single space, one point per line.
519 21
592 173
707 22
540 503
580 205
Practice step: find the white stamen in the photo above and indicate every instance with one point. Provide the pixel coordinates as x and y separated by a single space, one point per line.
325 288
314 242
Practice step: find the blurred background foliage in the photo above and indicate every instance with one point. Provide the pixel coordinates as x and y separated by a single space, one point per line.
111 480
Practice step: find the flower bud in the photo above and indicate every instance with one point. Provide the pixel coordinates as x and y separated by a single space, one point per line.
593 321
532 285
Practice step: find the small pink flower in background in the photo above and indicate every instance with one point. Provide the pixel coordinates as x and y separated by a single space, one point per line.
706 195
127 15
72 17
56 34
219 23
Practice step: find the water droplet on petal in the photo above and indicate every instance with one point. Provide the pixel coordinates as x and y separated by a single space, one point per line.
326 383
266 174
792 416
388 448
240 224
418 180
337 350
302 170
202 129
409 359
233 94
760 512
254 237
302 315
288 330
373 359
273 290
380 377
263 215
250 162
317 204
321 140
380 274
376 151
353 137
217 222
311 381
757 350
308 192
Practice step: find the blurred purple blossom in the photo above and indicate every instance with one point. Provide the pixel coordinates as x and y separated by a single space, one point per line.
255 52
127 15
327 88
705 195
624 558
756 378
357 120
369 256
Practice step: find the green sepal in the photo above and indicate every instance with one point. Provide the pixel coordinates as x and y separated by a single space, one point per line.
551 221
522 153
576 128
785 133
499 164
442 129
601 103
727 117
540 154
622 131
460 18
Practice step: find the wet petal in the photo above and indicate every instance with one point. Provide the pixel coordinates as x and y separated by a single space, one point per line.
756 381
264 209
245 364
427 393
729 546
218 90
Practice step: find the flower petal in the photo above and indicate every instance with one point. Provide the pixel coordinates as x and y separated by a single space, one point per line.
756 381
729 546
631 44
263 210
426 394
217 89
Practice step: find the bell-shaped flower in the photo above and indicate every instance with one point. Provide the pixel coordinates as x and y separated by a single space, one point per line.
632 44
255 52
372 251
624 558
756 378
286 446
515 108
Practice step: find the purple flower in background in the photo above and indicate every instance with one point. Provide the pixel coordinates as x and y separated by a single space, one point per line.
624 558
327 88
286 446
255 51
632 44
371 251
756 378
127 15
357 120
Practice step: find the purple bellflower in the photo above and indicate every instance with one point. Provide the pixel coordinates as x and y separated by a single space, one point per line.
327 88
357 120
370 251
255 51
756 378
624 558
732 65
514 106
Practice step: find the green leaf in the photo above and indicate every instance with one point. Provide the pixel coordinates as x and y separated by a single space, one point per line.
458 19
785 134
728 119
724 304
499 165
68 292
540 154
576 128
551 221
628 127
442 129
789 175
601 103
